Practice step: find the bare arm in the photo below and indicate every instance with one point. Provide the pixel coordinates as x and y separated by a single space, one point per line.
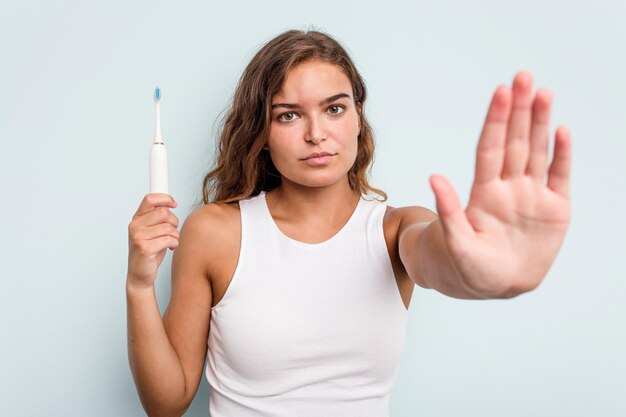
155 366
166 355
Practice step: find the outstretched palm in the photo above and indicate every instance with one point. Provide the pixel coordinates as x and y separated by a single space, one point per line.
515 222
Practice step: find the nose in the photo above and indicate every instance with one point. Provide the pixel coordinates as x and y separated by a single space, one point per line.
316 131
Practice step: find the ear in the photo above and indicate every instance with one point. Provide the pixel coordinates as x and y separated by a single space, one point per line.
359 108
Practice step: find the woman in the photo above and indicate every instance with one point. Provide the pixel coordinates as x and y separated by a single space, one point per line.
303 279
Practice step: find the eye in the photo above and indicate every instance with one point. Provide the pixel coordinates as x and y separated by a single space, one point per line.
337 109
286 117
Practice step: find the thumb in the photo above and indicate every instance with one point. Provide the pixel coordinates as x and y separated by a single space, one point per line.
451 214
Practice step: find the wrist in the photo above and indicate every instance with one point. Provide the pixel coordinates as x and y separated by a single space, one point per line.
133 285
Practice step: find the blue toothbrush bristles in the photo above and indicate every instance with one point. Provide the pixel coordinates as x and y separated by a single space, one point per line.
157 94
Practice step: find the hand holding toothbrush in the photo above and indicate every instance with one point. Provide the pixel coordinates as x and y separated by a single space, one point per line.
153 228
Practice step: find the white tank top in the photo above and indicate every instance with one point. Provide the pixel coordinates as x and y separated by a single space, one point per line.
307 330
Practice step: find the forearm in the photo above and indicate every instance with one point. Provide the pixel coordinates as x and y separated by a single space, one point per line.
435 268
155 366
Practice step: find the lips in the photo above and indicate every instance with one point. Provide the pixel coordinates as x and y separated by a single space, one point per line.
318 154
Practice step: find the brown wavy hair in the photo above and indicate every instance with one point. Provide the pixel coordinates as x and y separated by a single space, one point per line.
243 168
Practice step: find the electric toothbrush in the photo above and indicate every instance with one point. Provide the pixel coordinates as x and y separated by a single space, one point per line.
158 154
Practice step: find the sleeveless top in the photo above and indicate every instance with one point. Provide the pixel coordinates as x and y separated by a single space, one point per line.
307 330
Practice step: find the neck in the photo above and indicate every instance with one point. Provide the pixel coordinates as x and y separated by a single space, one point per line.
318 205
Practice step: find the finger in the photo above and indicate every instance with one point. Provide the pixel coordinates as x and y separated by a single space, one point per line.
516 149
538 154
160 243
451 214
154 200
157 216
559 172
490 149
157 230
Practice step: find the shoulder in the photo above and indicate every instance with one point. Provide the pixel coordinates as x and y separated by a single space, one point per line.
213 212
404 216
398 219
213 220
395 221
214 230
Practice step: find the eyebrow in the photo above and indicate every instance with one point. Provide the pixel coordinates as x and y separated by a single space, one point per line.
323 102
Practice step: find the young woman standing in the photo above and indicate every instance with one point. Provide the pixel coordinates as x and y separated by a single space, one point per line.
294 279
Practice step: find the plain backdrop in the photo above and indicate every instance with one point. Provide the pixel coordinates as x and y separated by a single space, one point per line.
77 121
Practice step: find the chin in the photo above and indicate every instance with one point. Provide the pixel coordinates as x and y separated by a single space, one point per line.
316 179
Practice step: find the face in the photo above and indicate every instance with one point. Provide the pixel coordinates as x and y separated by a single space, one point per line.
314 112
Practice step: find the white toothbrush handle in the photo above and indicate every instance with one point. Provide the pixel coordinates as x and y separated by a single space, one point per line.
158 168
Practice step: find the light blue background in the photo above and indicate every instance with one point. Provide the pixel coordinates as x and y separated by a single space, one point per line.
76 113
